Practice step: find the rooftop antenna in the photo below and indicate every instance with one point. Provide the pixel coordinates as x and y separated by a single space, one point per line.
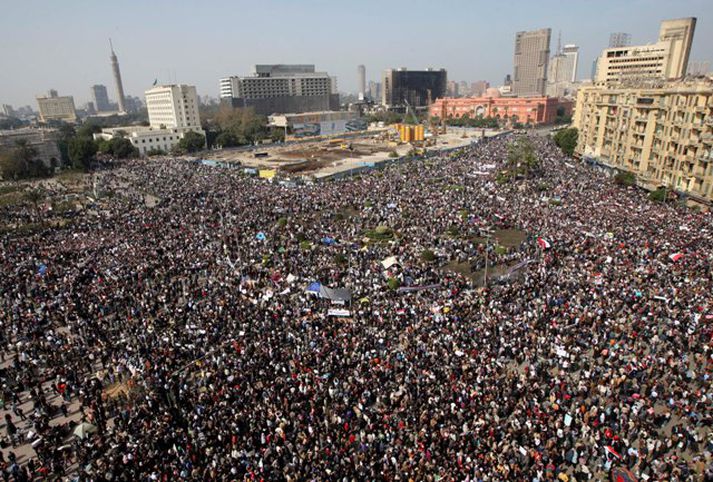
111 46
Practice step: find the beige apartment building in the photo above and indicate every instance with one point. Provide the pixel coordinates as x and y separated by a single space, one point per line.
662 133
56 107
665 59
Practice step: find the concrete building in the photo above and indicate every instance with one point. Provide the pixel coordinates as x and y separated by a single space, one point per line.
43 140
101 98
526 110
7 110
54 107
281 89
308 124
174 105
665 59
117 79
452 88
361 79
374 91
532 53
619 39
662 133
464 89
402 87
478 88
563 72
173 112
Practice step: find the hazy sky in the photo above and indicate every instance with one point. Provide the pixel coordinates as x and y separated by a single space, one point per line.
62 44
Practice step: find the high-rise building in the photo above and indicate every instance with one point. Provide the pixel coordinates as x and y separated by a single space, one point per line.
101 98
663 134
452 88
402 87
532 52
562 71
173 106
464 89
665 59
478 88
173 112
619 39
117 79
56 107
7 110
283 89
374 91
361 79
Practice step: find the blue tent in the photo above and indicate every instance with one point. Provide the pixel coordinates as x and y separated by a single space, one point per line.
328 241
42 270
314 287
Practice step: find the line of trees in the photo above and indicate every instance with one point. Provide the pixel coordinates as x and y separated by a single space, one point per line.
226 126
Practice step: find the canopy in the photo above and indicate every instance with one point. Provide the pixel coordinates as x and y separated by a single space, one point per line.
314 287
328 241
335 294
84 429
389 262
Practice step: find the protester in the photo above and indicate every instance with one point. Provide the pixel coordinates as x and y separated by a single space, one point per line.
188 341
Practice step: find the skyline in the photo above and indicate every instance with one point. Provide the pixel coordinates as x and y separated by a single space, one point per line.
198 44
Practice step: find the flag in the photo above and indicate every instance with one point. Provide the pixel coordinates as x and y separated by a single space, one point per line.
543 243
675 256
611 450
620 474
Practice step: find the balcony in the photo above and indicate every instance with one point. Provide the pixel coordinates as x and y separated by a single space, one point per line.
707 138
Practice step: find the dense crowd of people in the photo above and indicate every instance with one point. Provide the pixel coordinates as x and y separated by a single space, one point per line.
183 333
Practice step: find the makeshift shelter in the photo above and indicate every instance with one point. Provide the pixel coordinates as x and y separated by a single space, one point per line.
334 294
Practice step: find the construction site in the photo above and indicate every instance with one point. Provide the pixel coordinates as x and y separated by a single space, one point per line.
324 157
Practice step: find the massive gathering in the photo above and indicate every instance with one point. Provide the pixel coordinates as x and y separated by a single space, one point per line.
427 321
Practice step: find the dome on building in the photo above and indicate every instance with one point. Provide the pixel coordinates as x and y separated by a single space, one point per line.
492 92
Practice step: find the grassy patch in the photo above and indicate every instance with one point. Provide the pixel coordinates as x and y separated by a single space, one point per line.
12 198
8 189
393 283
381 233
428 256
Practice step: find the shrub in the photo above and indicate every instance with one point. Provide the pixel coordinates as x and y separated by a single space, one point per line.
305 245
393 283
659 195
340 259
282 222
428 256
393 154
625 178
380 233
453 231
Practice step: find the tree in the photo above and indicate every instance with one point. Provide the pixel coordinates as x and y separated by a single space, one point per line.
122 148
625 178
81 151
88 129
192 142
566 139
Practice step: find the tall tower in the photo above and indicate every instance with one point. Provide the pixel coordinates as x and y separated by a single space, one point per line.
117 78
532 54
361 71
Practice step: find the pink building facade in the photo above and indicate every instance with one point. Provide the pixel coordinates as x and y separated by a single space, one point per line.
526 110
